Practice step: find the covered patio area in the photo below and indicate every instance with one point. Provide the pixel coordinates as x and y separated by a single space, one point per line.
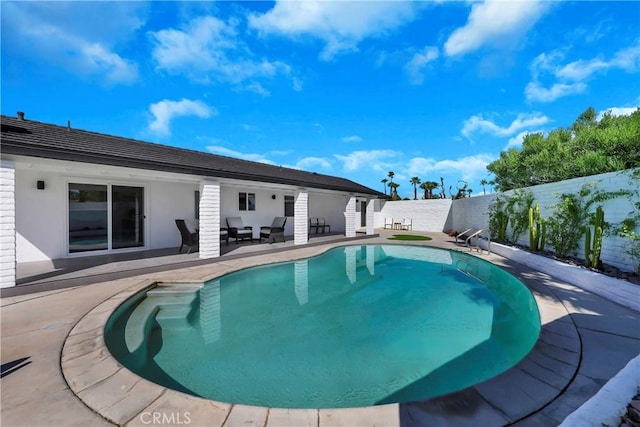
68 272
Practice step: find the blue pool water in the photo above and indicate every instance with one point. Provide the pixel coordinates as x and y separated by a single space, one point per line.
355 326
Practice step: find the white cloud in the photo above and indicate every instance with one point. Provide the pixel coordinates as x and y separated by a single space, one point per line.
165 111
340 25
536 92
420 60
477 124
378 160
570 78
617 111
468 167
311 163
210 49
224 151
517 140
351 138
494 23
75 36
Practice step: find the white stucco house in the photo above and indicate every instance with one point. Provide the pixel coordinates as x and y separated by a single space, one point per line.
70 193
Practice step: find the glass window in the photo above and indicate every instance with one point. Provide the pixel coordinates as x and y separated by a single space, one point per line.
89 210
88 217
197 204
247 201
127 217
289 206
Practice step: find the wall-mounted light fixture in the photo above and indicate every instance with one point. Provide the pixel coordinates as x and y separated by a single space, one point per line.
40 185
273 196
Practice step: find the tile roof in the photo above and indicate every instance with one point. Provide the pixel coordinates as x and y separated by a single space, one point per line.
36 139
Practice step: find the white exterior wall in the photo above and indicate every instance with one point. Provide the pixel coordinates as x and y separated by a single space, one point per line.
426 215
350 217
209 220
330 207
301 210
472 212
7 224
41 215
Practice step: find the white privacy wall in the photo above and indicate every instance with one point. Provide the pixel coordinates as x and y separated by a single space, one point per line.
426 215
472 212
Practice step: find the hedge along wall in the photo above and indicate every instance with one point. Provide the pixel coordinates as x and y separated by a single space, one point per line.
473 212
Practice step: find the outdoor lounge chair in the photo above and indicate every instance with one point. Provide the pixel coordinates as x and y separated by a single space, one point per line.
276 229
189 238
224 235
238 230
388 222
407 224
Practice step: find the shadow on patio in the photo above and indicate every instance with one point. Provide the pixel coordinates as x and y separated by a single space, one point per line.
64 273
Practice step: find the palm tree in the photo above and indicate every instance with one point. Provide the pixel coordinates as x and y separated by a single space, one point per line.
391 175
415 181
469 191
430 186
484 182
384 184
424 186
394 190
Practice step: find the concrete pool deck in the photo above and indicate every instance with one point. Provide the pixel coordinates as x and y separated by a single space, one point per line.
585 341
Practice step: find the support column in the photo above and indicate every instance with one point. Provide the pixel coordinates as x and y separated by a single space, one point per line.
7 224
209 219
370 216
350 217
301 218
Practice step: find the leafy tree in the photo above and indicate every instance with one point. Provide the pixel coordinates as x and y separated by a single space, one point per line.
588 147
415 181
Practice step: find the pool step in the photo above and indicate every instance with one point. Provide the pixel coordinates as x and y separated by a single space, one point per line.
175 289
174 317
161 298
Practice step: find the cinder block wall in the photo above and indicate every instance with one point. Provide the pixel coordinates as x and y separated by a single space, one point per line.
441 215
473 212
426 215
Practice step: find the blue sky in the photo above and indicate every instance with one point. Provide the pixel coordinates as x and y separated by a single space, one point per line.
353 89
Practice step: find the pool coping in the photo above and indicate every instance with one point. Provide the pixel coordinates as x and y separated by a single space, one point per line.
123 398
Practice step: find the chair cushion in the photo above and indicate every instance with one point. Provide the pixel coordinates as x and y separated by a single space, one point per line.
235 222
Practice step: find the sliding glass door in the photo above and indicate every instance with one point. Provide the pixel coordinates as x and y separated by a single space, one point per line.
127 218
88 217
104 217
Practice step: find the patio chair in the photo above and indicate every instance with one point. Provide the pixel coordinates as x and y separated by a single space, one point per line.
189 238
326 228
276 229
313 224
238 230
388 222
224 235
407 224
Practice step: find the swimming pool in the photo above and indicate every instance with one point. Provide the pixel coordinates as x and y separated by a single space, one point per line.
355 326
